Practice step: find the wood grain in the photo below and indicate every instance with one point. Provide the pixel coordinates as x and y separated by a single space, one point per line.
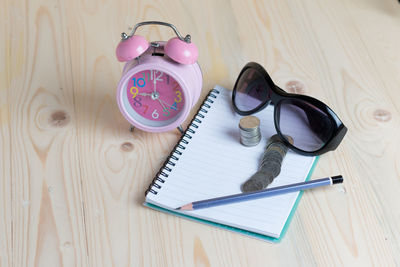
73 177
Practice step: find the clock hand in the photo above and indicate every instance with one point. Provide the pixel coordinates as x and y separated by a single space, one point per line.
155 83
144 94
165 103
162 105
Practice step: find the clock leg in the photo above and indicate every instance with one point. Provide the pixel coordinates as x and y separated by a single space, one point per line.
180 128
132 128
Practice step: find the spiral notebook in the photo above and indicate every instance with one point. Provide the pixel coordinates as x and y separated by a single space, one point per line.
209 161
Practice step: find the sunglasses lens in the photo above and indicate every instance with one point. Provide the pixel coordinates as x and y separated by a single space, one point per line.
251 90
310 127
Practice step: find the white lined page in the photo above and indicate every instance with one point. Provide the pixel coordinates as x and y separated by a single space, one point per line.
215 164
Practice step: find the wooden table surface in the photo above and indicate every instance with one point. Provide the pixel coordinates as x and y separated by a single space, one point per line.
73 177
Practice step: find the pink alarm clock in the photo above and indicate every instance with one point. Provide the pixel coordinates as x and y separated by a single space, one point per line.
161 81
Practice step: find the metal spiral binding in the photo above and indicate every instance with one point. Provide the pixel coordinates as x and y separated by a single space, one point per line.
178 150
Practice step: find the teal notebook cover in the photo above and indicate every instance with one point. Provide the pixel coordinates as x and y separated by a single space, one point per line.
161 178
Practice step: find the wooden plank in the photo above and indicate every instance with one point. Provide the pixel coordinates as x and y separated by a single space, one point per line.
5 147
45 192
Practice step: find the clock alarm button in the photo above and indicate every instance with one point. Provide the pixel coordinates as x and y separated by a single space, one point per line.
181 51
131 48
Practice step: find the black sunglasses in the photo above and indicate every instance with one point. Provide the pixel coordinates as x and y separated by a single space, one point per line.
313 126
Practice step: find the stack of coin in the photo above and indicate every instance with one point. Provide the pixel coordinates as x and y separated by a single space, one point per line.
271 164
250 134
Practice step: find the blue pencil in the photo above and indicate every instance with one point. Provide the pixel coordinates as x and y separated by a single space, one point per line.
269 192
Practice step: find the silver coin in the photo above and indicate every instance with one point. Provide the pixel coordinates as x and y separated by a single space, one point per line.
251 141
250 135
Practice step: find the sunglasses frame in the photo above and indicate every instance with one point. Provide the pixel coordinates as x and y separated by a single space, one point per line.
277 95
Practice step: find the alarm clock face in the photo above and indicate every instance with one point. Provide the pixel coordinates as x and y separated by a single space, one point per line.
153 98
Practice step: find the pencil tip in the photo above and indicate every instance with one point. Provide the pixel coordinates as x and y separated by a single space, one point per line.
178 208
187 207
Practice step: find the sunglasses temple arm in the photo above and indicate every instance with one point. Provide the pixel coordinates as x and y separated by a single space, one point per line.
280 89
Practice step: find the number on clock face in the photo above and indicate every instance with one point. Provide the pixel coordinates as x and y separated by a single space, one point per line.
155 95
